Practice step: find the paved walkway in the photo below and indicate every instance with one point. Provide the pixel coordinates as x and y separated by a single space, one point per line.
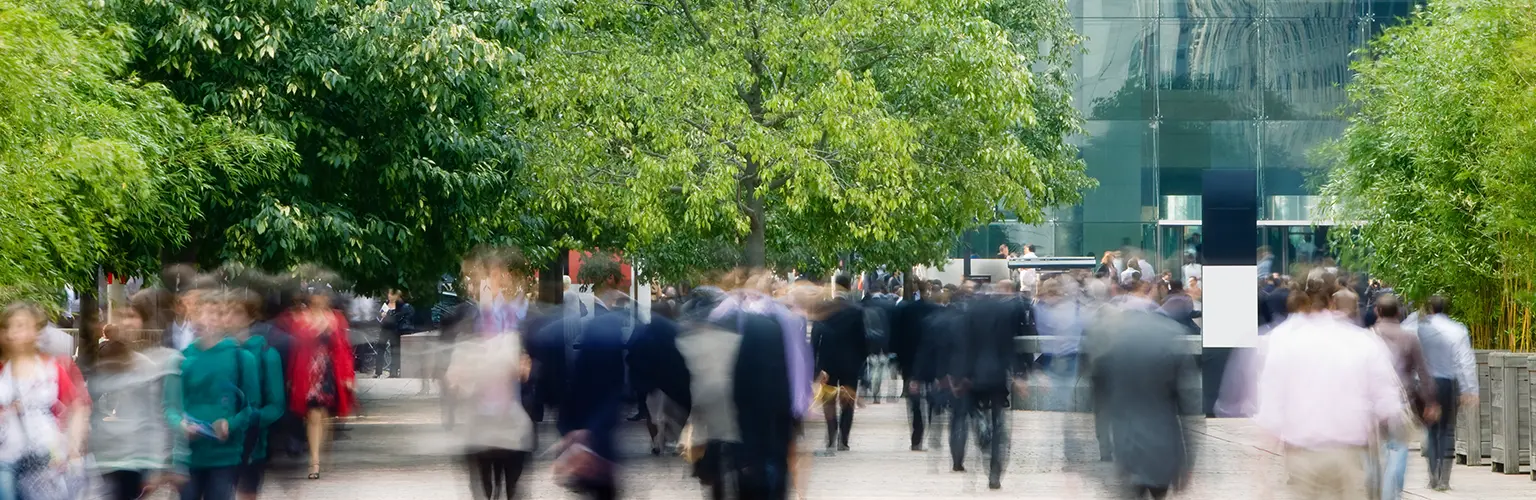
399 451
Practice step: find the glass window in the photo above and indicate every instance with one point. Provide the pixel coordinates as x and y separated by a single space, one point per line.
1306 66
1116 70
1113 8
1119 154
1211 9
1202 145
1207 70
1340 9
1289 149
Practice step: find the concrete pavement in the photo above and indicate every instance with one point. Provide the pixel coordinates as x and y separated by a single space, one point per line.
400 451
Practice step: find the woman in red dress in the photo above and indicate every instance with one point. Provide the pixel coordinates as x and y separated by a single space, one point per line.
320 371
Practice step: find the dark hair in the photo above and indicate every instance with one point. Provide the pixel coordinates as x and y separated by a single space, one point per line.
1175 286
1313 293
1030 247
1387 306
843 281
248 301
1436 304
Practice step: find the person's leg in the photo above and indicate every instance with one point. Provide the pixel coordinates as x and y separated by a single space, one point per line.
118 485
876 376
393 337
516 463
845 421
829 413
996 413
480 486
1394 464
220 484
915 414
197 482
1157 493
959 413
1440 444
316 425
249 479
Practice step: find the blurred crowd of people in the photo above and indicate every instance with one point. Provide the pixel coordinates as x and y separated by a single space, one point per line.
200 381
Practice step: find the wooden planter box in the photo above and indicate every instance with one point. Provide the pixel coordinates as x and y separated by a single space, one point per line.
1474 426
1510 406
1530 423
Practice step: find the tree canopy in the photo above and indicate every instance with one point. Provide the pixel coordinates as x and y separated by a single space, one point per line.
793 130
1438 166
390 106
90 156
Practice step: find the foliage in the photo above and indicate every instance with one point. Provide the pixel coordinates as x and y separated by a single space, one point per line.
1438 167
791 130
390 105
87 152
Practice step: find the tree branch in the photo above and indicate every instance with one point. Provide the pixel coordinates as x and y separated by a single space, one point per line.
688 14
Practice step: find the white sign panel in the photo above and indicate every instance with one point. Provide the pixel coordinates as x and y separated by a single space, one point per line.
1230 307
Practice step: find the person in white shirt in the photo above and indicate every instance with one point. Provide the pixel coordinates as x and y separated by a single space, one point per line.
1192 269
1324 389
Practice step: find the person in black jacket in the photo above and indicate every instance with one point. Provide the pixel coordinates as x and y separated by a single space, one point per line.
985 371
840 346
394 321
907 336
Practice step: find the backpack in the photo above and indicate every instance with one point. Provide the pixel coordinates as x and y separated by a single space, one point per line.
252 433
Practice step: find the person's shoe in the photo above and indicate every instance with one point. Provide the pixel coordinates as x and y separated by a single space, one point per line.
636 417
842 447
917 447
957 468
994 484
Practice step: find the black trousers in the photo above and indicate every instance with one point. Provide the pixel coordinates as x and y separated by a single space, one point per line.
494 473
217 483
124 484
1440 443
390 358
839 424
992 411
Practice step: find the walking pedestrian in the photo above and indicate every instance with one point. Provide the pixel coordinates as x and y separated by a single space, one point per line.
1325 387
135 389
1135 361
219 382
241 309
986 373
394 321
44 408
1448 352
840 344
1413 371
321 369
487 370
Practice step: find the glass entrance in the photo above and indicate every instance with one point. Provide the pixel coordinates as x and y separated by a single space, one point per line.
1293 247
1179 249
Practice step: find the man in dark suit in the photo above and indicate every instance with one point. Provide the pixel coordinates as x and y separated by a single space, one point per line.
985 371
1135 362
840 346
907 332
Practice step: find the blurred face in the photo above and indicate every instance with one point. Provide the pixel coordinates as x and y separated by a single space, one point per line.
186 305
394 295
209 318
126 324
319 301
21 333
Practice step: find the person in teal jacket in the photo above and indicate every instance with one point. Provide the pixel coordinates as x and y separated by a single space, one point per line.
241 310
219 382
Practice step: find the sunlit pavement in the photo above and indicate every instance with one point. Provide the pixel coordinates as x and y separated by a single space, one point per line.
400 451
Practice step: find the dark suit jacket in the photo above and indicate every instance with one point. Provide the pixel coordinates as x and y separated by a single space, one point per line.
840 345
907 329
1135 363
984 357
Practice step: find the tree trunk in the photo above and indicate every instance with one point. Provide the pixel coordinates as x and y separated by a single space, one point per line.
552 278
756 254
89 326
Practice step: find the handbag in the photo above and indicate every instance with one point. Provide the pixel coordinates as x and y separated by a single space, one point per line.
39 478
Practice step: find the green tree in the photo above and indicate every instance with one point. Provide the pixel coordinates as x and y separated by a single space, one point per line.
792 130
1438 166
90 156
390 105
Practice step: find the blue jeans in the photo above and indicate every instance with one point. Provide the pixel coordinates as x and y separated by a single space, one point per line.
8 482
1394 465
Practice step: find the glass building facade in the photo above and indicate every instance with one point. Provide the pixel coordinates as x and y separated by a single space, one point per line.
1172 88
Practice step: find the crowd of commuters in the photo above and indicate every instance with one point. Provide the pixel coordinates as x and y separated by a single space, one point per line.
199 382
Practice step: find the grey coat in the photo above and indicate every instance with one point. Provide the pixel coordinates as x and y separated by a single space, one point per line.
1135 360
